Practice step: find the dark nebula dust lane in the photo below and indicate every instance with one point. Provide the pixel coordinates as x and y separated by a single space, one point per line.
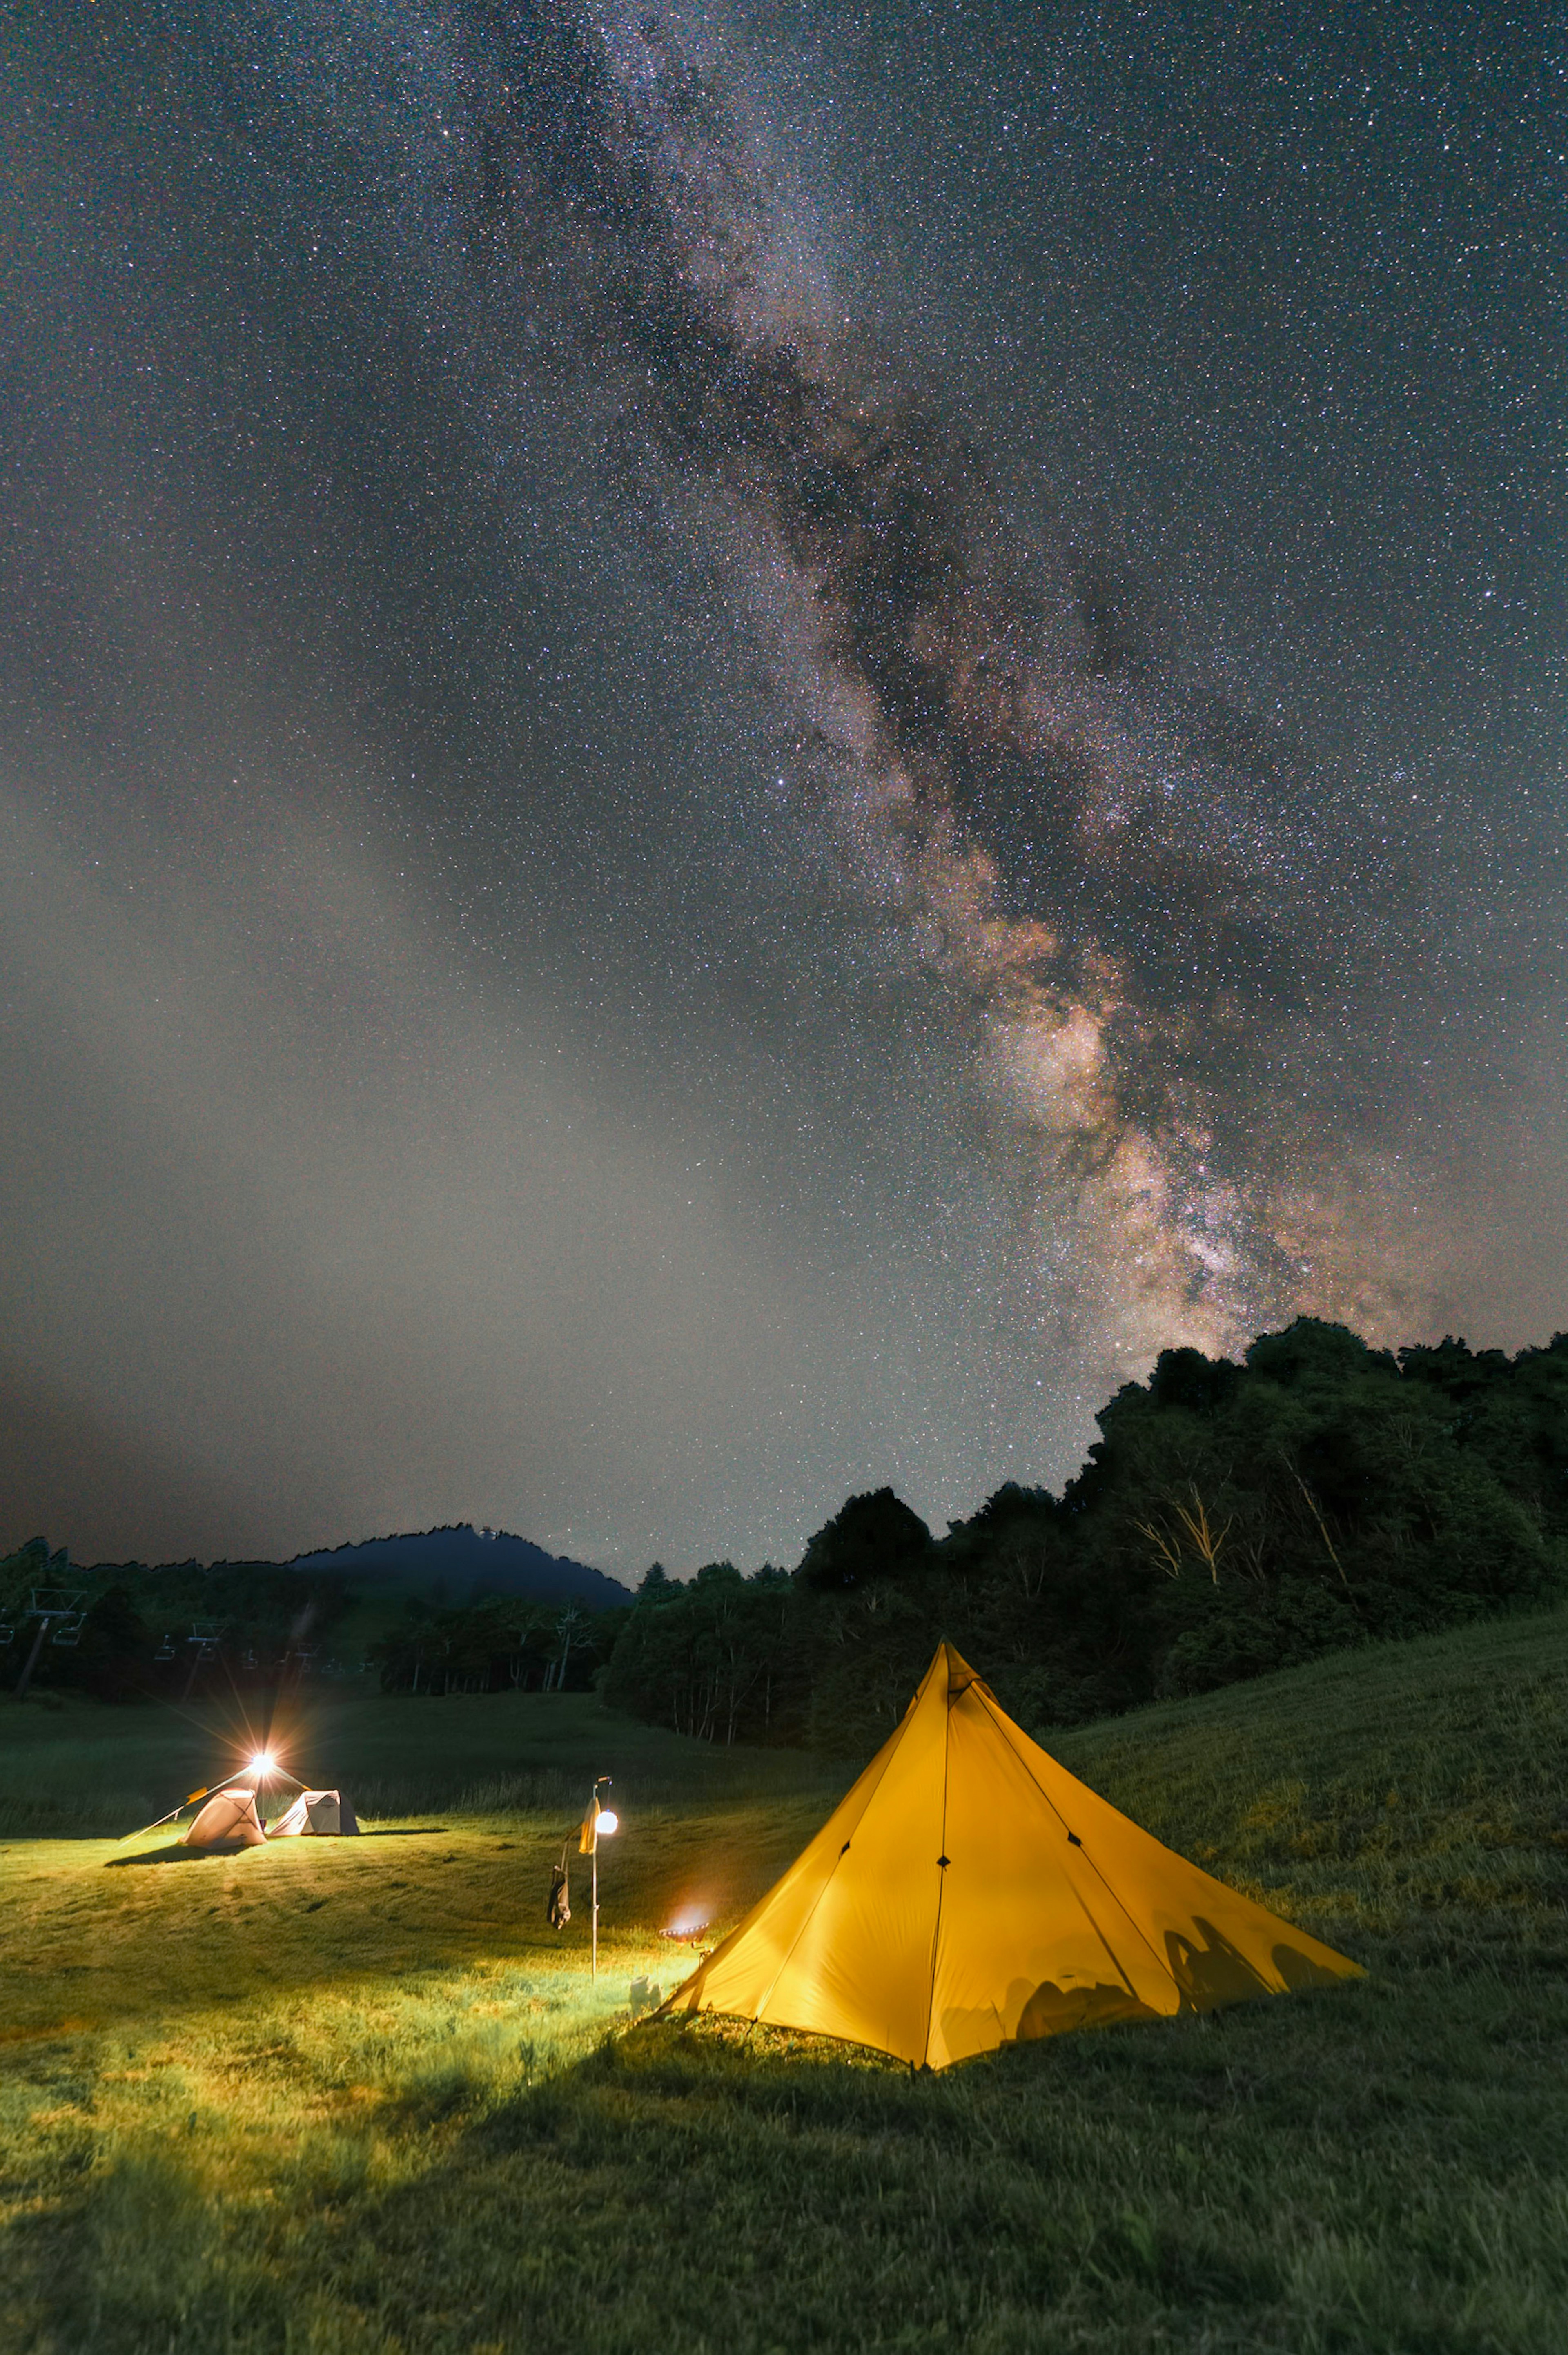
703 812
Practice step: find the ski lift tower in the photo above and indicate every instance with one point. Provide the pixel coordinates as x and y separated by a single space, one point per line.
205 1637
56 1607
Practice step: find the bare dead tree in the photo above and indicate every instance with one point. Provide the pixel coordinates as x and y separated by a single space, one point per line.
1316 1509
1167 1549
1026 1562
1193 1530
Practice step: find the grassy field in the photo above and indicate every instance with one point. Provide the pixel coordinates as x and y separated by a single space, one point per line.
70 1767
353 2096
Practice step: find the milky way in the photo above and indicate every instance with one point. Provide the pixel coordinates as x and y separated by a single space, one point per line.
734 749
1125 882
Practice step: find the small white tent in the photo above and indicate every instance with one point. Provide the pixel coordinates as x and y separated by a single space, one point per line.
321 1811
229 1819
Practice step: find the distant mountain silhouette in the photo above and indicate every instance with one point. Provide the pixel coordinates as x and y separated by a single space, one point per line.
463 1562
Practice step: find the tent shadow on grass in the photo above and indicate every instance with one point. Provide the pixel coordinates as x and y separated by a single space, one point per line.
747 2107
756 2071
177 1852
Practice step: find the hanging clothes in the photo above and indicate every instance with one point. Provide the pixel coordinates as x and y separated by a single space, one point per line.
558 1905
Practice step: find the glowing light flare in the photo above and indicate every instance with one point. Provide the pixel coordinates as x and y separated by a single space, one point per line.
263 1762
607 1820
687 1923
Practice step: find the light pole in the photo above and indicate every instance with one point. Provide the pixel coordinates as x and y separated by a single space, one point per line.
598 1820
261 1767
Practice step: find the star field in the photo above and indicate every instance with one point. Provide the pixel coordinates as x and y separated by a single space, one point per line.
737 748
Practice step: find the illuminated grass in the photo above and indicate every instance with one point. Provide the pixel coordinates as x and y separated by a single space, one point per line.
356 2097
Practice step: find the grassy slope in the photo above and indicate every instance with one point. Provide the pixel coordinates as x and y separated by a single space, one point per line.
356 2096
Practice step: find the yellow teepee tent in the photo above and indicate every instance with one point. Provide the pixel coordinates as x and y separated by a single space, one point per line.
969 1891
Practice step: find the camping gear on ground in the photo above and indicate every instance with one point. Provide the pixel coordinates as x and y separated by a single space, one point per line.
970 1893
558 1904
228 1819
325 1813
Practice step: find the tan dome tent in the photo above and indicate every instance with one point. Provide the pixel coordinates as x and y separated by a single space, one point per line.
228 1819
970 1893
319 1812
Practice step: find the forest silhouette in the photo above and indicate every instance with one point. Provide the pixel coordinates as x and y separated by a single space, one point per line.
1232 1518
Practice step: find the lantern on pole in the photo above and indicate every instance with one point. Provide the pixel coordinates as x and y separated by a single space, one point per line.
598 1823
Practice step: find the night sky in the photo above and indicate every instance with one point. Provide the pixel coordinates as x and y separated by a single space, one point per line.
736 747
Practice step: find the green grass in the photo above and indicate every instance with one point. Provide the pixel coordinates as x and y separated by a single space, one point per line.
355 2097
68 1766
